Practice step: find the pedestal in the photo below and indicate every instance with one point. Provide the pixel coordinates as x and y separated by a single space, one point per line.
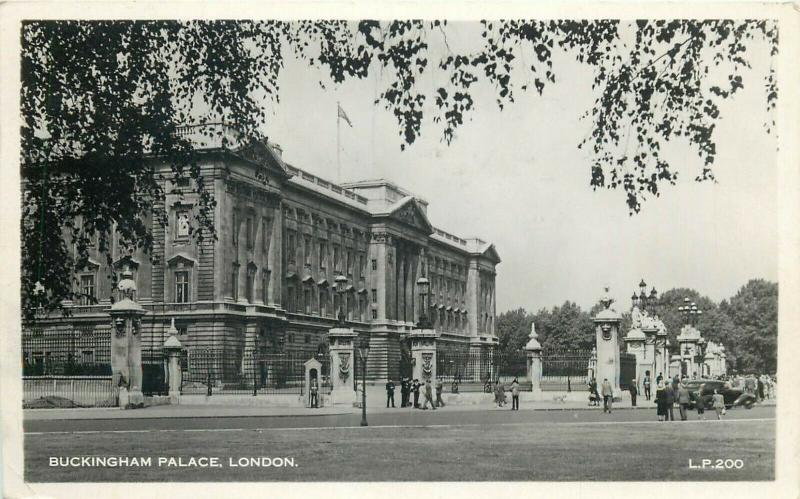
343 365
423 354
172 349
606 332
126 351
535 371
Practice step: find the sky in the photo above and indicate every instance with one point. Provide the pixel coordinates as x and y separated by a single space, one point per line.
516 178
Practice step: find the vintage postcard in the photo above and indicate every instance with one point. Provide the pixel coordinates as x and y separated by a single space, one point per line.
354 248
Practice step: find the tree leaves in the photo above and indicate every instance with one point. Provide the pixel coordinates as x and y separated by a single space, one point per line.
101 97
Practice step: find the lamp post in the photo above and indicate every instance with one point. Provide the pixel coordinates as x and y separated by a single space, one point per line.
690 312
423 285
341 286
363 352
652 301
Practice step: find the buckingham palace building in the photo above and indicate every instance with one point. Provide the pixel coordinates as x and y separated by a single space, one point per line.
267 282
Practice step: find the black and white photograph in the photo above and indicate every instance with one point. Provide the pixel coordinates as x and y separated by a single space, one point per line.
467 247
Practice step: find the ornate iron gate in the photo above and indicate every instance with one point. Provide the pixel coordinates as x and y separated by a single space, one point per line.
627 370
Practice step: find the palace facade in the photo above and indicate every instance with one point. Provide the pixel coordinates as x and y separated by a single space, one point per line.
267 283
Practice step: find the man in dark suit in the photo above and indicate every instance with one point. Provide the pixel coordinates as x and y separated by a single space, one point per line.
404 392
390 393
415 388
634 392
669 401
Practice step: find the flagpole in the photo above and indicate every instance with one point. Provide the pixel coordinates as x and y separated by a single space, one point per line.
338 160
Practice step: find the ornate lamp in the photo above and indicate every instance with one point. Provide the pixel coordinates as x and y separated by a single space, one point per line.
363 352
634 299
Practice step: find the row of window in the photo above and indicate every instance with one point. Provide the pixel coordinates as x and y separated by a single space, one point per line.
324 256
250 230
437 264
302 299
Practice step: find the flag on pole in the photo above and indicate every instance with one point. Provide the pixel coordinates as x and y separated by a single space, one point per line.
343 115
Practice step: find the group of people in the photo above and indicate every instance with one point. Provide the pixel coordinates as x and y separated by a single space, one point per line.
605 393
409 388
500 394
675 392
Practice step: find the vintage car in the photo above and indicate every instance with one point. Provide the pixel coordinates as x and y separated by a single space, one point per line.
701 390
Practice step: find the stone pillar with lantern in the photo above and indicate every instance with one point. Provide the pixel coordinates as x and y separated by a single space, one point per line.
690 340
126 345
607 323
341 347
533 350
172 351
423 339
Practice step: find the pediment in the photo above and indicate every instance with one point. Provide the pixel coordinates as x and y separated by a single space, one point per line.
491 253
92 264
260 154
409 212
181 259
121 263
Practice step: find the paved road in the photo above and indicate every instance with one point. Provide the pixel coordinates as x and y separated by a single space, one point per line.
449 416
448 444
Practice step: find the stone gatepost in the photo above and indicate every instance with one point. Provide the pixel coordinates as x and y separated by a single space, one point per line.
343 364
607 323
172 350
534 353
126 343
423 354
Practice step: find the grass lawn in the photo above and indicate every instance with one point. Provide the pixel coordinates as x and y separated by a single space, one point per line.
536 451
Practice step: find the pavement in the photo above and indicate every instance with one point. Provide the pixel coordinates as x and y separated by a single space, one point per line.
233 411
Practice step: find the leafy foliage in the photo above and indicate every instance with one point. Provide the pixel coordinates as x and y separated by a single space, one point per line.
100 98
753 313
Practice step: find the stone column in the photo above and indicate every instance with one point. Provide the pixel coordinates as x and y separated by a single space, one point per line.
534 352
423 354
607 323
126 344
343 364
172 349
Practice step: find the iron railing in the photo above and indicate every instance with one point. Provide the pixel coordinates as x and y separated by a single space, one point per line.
210 371
565 370
478 370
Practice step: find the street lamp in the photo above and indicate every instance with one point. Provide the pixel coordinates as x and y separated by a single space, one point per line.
634 299
653 298
363 351
642 295
422 286
341 285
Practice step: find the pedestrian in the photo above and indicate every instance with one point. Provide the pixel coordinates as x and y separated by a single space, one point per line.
404 389
669 402
592 388
415 385
700 402
659 378
314 390
634 392
661 405
608 395
515 395
439 386
390 393
646 384
718 403
595 392
683 400
499 393
428 395
760 389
